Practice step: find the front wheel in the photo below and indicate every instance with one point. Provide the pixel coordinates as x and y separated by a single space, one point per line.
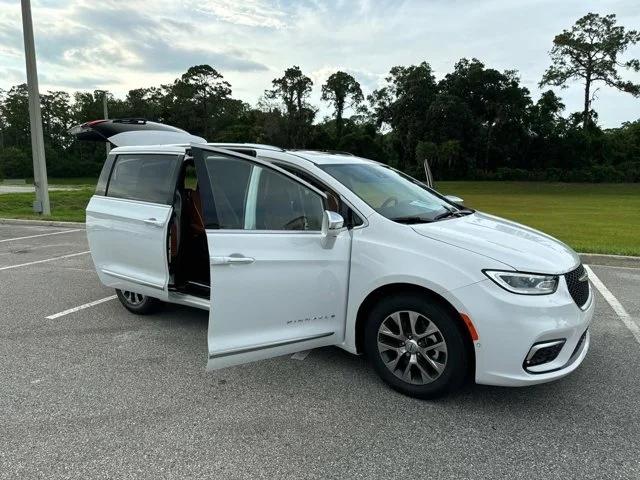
415 346
137 303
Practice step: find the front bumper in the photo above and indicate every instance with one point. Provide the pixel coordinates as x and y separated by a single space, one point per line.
508 325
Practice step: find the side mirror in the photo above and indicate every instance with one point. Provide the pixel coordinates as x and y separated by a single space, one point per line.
454 199
332 223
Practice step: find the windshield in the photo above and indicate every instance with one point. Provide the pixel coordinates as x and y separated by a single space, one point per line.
391 193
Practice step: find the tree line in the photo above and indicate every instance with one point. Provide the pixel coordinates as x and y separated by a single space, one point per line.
475 123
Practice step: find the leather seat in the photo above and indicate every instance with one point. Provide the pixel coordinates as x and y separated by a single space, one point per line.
193 207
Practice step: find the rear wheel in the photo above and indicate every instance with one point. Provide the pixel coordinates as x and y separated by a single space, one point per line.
416 346
137 303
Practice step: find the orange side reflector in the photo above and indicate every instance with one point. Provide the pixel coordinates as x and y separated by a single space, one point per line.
470 327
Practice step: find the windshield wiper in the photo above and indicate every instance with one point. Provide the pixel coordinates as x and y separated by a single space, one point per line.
411 219
453 212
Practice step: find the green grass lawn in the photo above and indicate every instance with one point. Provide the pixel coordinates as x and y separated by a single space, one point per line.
600 218
594 218
79 181
65 205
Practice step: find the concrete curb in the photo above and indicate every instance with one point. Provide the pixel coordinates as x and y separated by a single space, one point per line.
588 258
43 223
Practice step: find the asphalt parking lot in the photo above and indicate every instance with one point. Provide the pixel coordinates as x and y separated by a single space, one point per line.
102 393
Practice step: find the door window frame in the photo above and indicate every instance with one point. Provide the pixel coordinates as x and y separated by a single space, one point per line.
208 204
112 162
341 198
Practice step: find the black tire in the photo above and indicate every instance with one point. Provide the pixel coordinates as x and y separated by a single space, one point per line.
455 357
143 305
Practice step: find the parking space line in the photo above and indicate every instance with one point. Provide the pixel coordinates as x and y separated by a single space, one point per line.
43 261
81 307
615 304
41 235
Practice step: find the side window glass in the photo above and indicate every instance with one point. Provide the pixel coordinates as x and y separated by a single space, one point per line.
229 178
149 178
283 204
101 186
334 203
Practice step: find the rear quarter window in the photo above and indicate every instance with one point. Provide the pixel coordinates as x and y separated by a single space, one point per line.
148 178
103 180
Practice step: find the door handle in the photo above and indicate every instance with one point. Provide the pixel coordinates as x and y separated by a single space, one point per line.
153 222
232 260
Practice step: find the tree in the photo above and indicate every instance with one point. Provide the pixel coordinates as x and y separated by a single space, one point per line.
197 101
293 90
499 104
403 104
589 52
57 118
545 117
14 111
453 130
145 103
343 91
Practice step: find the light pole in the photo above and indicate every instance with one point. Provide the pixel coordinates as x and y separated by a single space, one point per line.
41 205
106 113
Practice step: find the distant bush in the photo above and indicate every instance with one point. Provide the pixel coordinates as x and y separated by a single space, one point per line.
552 174
624 172
15 163
506 173
630 171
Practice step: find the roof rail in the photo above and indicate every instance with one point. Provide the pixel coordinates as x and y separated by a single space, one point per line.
256 146
337 152
330 152
137 121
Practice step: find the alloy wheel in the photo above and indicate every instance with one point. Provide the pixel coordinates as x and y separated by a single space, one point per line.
133 298
412 347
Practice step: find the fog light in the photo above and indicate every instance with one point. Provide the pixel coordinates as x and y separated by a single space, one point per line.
543 352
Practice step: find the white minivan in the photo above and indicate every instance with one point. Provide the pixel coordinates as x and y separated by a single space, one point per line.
291 250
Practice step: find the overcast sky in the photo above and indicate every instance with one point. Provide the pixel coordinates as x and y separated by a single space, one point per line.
123 44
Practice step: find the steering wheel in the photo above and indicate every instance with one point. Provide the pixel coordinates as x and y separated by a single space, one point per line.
300 221
388 201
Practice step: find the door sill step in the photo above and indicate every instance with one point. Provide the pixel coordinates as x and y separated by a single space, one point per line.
189 300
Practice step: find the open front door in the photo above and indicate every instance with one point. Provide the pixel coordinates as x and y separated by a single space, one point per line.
278 283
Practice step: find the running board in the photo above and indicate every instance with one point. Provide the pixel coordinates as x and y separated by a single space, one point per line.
189 300
252 353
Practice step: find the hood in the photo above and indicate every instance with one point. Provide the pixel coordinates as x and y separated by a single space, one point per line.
520 247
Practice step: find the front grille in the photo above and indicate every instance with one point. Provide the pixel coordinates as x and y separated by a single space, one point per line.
579 289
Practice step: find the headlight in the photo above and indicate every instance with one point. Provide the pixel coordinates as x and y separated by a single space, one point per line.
524 283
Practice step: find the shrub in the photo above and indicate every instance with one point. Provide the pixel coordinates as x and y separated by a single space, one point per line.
605 173
507 173
15 163
630 171
553 174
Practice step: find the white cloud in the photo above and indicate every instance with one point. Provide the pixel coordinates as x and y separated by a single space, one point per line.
250 13
122 45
